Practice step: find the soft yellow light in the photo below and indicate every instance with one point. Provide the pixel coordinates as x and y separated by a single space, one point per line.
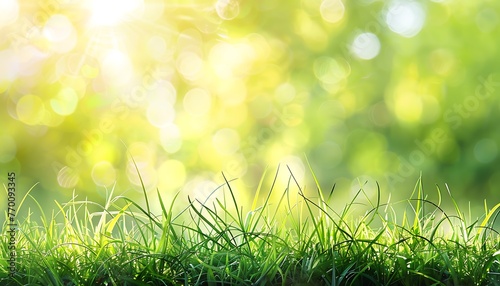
113 12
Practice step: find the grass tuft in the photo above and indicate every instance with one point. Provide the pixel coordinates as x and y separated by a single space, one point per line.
296 240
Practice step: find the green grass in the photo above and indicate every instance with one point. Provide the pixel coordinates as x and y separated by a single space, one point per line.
296 240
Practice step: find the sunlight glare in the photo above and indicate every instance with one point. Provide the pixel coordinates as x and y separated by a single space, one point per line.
113 12
406 18
366 46
9 12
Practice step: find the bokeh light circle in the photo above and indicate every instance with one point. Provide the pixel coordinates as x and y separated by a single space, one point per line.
285 93
332 10
163 92
116 67
190 65
197 102
103 173
68 177
486 150
9 12
331 71
226 141
170 138
9 67
114 12
160 114
202 190
30 109
405 17
65 102
57 28
227 9
366 46
59 31
408 107
232 92
157 47
487 20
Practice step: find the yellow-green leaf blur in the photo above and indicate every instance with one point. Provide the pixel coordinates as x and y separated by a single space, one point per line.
94 92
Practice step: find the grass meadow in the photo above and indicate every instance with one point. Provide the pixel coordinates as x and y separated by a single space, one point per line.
296 240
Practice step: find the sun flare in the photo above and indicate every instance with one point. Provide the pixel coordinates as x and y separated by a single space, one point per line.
107 13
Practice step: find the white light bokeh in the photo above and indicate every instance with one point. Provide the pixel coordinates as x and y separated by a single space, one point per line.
294 165
170 138
65 102
163 91
226 141
332 10
30 109
405 17
197 102
285 93
9 12
231 60
28 60
153 9
141 167
61 33
232 92
116 67
161 113
67 177
9 67
113 12
201 189
366 46
190 65
227 9
103 173
157 47
331 71
487 20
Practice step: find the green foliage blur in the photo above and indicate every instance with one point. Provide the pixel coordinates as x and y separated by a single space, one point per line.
365 91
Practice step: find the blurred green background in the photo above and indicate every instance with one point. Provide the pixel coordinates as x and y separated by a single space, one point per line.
367 91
